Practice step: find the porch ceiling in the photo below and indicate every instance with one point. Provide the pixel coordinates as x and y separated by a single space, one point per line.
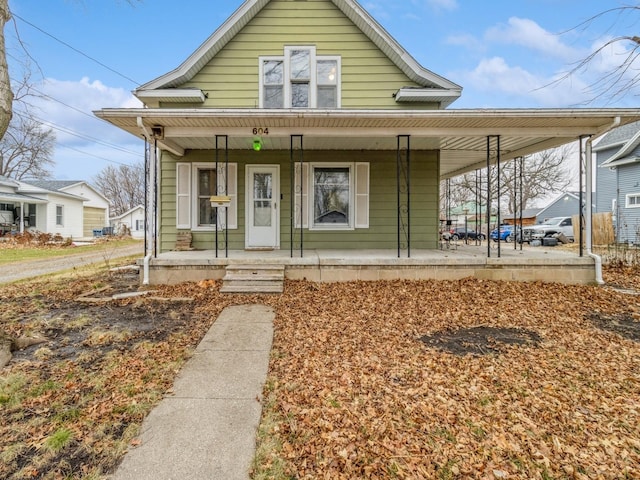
460 135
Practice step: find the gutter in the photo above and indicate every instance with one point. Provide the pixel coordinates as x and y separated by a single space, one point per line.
589 199
149 246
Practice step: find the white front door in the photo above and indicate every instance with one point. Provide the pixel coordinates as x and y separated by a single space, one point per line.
262 209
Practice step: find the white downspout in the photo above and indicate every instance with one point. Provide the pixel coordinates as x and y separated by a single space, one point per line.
148 209
589 200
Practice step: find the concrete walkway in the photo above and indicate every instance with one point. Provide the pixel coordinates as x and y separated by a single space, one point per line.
206 429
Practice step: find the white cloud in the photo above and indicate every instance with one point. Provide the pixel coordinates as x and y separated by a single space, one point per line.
527 33
80 136
502 84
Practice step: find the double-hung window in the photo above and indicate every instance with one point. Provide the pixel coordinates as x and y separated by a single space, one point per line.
195 185
331 196
300 79
633 200
60 215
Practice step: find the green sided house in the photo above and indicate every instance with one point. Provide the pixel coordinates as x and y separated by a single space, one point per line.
301 134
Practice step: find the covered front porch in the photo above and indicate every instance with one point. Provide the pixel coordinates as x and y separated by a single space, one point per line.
450 262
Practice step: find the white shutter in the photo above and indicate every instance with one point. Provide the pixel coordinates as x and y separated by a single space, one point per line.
183 195
362 195
301 195
228 186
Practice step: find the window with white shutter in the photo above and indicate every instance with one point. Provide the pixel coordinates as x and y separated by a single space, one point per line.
183 195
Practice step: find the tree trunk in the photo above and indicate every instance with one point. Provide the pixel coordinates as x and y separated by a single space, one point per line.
6 96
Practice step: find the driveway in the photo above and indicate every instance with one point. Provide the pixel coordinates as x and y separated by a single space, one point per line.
33 268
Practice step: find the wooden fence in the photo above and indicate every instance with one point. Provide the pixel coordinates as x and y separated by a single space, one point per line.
603 233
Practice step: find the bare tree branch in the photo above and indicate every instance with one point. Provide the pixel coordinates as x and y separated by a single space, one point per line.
613 85
26 149
544 172
122 185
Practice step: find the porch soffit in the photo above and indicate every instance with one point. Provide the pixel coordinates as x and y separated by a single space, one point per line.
460 135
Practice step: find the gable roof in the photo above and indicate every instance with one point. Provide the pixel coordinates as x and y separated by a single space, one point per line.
54 185
46 187
434 85
626 139
128 212
61 186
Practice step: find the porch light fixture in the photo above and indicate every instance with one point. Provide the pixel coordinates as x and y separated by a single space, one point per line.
257 144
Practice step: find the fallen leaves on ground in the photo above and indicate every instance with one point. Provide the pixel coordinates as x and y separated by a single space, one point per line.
353 391
356 394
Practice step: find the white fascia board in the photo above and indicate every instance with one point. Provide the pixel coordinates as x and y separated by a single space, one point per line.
209 48
376 33
383 40
622 161
178 95
410 94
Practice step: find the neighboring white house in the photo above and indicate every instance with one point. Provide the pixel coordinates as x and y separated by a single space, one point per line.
131 222
70 208
95 211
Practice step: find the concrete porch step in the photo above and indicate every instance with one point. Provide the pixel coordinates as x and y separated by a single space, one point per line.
253 279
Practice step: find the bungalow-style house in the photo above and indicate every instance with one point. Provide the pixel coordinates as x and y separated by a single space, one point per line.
301 127
618 180
95 210
130 222
58 208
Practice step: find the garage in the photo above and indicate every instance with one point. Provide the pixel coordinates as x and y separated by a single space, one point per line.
94 218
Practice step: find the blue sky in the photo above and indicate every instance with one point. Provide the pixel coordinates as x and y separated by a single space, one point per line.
502 52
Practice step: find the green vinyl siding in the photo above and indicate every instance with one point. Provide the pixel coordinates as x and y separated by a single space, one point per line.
382 231
369 78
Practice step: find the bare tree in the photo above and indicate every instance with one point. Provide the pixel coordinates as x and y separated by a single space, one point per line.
122 185
623 77
6 96
26 149
543 173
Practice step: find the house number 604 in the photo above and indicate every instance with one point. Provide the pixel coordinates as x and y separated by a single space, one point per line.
261 131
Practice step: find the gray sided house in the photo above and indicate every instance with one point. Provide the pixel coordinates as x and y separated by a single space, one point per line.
618 180
565 205
302 126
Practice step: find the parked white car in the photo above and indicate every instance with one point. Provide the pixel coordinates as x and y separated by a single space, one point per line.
550 228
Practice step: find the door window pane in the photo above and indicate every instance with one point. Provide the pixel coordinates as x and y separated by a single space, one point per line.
262 213
262 188
262 199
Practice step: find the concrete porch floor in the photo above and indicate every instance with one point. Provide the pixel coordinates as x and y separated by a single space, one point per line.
546 264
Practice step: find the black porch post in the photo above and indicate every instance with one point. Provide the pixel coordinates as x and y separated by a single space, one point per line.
403 172
294 213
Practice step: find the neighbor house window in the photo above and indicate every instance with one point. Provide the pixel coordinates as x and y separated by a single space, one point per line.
633 200
139 225
300 79
59 215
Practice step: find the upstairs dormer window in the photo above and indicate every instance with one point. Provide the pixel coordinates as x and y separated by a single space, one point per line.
300 79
